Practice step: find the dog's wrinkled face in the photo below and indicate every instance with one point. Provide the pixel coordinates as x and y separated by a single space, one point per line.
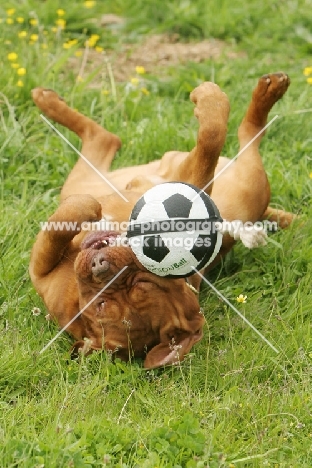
139 314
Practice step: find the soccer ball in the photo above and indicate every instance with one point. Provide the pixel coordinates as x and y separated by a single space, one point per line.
173 228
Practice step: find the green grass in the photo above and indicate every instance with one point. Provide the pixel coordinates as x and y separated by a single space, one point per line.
233 402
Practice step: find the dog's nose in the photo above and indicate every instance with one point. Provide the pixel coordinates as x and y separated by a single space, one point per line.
99 264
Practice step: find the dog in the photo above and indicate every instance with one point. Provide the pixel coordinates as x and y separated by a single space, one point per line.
139 314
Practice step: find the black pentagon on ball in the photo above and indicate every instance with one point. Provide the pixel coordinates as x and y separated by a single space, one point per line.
208 250
155 248
177 206
137 208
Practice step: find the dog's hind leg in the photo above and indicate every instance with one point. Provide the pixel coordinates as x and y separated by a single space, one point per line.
99 145
249 170
212 111
242 191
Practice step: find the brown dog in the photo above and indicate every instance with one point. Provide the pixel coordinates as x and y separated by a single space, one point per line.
140 314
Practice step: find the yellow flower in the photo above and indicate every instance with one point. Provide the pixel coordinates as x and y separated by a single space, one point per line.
44 46
20 20
105 92
33 21
22 34
54 29
34 37
78 53
70 43
99 49
140 70
241 298
309 80
79 79
310 175
14 65
145 91
307 71
92 40
12 56
61 23
89 3
9 21
21 71
20 83
10 11
60 12
95 37
134 81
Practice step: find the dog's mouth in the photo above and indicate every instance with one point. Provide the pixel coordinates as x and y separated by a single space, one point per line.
100 239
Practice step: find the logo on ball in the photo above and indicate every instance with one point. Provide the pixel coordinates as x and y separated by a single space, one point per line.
172 228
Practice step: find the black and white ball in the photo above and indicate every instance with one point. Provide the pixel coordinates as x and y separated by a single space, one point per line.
174 227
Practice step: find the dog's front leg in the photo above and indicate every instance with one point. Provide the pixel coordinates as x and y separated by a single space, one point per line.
212 111
58 232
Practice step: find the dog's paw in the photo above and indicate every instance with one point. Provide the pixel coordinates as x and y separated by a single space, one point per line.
207 88
48 102
78 209
210 100
271 87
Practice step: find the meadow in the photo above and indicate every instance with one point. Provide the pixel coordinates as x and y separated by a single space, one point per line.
233 402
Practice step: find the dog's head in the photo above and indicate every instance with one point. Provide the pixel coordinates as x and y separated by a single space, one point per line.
130 311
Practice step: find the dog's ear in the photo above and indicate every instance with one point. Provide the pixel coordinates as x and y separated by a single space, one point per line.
171 352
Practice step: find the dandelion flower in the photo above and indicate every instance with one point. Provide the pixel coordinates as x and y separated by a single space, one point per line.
99 49
60 12
241 298
21 71
12 56
89 3
22 34
34 37
10 11
140 70
307 71
309 80
78 53
134 81
44 46
33 21
70 43
92 40
310 175
79 79
145 91
20 19
105 92
20 83
9 21
61 23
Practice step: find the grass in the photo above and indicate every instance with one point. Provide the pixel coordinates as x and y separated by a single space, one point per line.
233 402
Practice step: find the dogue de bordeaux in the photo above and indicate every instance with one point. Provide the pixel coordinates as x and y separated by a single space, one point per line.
140 314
